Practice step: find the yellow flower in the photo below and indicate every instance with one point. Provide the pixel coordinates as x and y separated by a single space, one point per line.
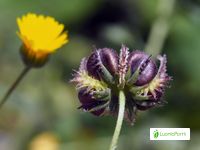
41 36
45 141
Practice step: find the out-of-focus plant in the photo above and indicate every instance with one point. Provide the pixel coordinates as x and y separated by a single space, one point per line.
41 36
45 141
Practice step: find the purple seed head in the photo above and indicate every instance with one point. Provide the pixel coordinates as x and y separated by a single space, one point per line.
104 73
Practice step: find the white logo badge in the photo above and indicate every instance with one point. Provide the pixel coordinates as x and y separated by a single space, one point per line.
169 133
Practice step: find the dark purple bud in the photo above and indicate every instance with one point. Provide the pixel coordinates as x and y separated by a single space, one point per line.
143 62
100 59
88 102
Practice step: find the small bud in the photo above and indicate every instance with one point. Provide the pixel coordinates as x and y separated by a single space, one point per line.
103 64
88 102
143 62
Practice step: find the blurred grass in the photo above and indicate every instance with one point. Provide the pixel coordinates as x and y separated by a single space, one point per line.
45 102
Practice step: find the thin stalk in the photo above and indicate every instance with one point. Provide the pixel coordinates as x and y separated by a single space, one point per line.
120 118
14 85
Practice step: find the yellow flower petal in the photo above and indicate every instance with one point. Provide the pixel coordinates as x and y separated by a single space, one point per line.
41 36
41 33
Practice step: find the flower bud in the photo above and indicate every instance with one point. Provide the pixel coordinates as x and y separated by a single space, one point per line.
88 102
147 67
103 64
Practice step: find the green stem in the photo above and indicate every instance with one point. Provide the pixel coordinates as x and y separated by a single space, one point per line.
160 27
120 118
14 85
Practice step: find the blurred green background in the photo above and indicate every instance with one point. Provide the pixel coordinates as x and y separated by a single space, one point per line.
42 113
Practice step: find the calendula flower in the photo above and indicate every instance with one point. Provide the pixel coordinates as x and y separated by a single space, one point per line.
41 36
103 74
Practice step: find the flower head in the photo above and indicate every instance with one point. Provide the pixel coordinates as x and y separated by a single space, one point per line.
41 36
103 74
45 141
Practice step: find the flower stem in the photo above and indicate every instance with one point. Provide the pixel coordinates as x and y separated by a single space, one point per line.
120 118
14 85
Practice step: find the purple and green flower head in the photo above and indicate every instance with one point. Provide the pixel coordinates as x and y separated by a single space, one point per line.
104 73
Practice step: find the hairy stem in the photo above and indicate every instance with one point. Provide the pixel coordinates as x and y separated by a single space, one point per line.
120 118
14 85
160 27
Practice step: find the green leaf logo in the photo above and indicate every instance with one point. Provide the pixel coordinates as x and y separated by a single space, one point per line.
156 134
